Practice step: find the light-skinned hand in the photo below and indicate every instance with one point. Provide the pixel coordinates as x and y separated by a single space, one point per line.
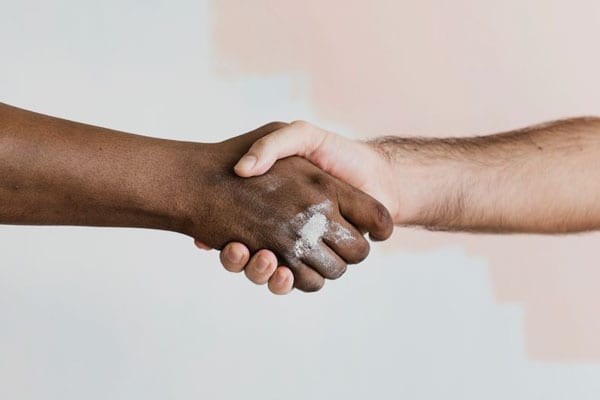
354 162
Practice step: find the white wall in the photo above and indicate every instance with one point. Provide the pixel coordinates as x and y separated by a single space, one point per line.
123 313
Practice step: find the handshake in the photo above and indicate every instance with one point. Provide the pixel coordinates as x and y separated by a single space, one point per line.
295 221
290 203
306 215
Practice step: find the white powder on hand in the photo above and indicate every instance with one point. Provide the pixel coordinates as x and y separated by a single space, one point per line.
311 233
312 224
339 233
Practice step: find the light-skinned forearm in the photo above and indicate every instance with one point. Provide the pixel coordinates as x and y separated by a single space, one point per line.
541 179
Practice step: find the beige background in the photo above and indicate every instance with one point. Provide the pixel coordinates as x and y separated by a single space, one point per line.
450 68
121 314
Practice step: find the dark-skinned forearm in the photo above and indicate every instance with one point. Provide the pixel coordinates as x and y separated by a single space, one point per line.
59 172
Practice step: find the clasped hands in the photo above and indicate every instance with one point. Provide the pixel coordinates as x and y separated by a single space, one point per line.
290 203
307 212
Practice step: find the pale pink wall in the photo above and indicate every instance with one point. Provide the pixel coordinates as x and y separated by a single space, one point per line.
449 68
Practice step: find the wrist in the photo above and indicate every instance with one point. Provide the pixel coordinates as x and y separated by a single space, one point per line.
427 188
202 177
161 191
382 182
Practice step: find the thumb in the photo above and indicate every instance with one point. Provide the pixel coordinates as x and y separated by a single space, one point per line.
298 138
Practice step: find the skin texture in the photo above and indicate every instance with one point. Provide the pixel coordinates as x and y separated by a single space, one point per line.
59 172
538 179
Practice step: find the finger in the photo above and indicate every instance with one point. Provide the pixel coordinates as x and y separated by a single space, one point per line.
261 266
234 257
282 281
243 142
346 241
325 261
202 245
306 278
364 212
298 138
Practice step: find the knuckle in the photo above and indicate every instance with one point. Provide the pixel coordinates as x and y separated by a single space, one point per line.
274 125
360 250
322 181
309 283
313 286
337 271
326 263
301 124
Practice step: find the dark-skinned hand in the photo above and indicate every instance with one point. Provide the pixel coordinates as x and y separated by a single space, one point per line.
313 222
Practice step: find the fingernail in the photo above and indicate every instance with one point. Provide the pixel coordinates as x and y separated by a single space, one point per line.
246 163
234 256
280 278
262 264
